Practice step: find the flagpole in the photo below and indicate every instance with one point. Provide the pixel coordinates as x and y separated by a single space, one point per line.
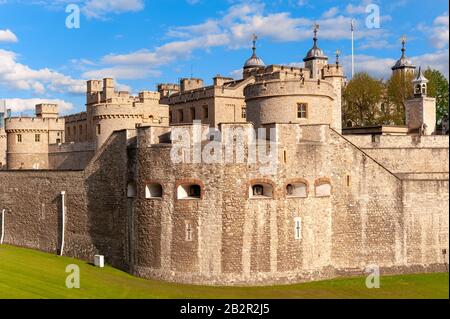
353 47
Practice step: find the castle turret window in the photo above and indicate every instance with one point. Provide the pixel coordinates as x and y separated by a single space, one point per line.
37 137
244 113
302 110
323 188
19 138
99 129
189 191
261 190
297 189
153 190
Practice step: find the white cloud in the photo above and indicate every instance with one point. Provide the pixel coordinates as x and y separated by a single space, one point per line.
233 30
100 8
381 67
121 72
7 36
437 60
331 12
23 105
18 76
375 66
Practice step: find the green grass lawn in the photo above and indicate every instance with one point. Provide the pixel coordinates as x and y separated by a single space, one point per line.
27 273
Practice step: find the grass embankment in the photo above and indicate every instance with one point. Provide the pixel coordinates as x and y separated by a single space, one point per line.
26 273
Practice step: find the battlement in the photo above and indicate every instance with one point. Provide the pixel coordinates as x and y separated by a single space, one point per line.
190 84
82 116
279 72
221 80
97 94
289 87
47 110
148 96
33 123
332 70
399 141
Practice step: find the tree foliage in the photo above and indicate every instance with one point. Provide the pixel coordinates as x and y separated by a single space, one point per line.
361 98
438 88
399 88
368 101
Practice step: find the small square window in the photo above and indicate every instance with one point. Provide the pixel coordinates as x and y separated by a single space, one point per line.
302 110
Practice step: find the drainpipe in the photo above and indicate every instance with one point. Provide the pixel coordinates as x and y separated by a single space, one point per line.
63 220
3 226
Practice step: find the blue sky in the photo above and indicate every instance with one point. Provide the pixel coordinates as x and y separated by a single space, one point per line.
142 43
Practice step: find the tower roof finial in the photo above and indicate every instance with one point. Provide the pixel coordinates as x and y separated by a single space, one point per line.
255 38
316 27
403 45
254 61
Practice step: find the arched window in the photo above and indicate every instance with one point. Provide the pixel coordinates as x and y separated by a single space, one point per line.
323 188
131 189
424 88
153 190
297 189
189 191
417 89
261 190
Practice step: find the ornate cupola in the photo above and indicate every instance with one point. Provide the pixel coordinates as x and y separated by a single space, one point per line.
420 84
403 64
420 110
315 58
254 61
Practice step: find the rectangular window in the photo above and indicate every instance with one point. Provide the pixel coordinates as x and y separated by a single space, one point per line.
19 138
170 117
205 112
192 113
298 228
244 113
302 110
180 116
37 137
99 129
81 130
58 141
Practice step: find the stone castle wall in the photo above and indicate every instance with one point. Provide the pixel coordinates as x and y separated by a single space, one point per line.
96 221
370 217
406 154
240 240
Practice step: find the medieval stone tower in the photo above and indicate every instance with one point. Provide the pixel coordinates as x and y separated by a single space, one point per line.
310 95
28 138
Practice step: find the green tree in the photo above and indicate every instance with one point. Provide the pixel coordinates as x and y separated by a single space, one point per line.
361 100
438 88
399 88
